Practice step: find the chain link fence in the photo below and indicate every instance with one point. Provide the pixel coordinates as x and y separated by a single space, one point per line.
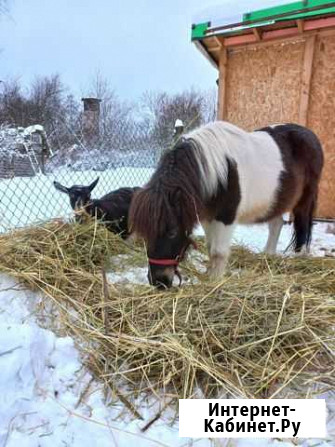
28 169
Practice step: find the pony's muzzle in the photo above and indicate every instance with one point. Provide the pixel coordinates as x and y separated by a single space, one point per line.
161 277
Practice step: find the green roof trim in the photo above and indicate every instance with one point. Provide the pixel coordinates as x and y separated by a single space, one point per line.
304 15
262 17
199 30
286 9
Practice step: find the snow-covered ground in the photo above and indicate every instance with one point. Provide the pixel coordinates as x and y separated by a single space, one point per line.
48 398
26 200
255 236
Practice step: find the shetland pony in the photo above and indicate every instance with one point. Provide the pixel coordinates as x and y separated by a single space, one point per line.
112 208
220 175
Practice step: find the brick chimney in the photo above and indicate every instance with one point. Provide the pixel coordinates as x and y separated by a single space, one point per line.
90 120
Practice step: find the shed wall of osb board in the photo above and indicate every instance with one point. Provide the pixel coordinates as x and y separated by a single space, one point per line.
321 118
263 86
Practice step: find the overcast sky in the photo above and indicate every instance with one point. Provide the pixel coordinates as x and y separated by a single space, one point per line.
138 45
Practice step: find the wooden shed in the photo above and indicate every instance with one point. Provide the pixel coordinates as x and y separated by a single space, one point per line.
276 64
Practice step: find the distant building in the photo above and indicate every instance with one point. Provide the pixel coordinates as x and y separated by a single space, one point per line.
22 151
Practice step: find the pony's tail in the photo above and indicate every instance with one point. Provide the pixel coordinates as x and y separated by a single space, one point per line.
303 225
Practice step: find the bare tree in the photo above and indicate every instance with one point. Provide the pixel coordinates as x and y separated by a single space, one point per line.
3 6
116 119
147 125
14 109
209 105
165 109
46 102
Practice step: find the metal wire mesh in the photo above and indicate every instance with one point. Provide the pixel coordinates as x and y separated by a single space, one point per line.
27 200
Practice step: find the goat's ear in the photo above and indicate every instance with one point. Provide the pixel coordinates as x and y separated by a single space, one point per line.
61 187
94 184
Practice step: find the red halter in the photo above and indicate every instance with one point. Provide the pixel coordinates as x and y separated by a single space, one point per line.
164 261
175 262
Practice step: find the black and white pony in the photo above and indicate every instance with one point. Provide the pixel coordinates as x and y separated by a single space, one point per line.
220 176
112 209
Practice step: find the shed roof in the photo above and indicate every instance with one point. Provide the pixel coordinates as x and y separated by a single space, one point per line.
231 17
249 21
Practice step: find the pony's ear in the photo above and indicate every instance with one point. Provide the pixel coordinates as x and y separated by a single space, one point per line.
93 185
61 188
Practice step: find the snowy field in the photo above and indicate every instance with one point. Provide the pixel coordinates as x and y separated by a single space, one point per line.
48 398
27 200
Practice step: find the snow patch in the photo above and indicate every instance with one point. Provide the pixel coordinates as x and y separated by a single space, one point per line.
133 275
29 200
48 398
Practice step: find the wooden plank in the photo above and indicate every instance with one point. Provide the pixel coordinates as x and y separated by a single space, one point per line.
213 56
222 99
280 33
214 49
214 44
300 25
297 38
258 33
268 43
306 77
309 25
266 35
240 40
218 42
319 23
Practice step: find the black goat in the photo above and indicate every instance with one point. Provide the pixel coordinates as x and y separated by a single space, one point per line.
112 208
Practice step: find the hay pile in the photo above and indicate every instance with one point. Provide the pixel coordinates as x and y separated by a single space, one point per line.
266 330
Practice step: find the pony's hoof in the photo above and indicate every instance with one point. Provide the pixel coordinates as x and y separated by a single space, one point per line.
217 266
215 272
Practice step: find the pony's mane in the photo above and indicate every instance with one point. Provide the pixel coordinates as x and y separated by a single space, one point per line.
171 198
186 178
215 142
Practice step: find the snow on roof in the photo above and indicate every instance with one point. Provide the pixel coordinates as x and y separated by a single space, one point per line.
12 137
228 11
18 133
31 129
178 123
